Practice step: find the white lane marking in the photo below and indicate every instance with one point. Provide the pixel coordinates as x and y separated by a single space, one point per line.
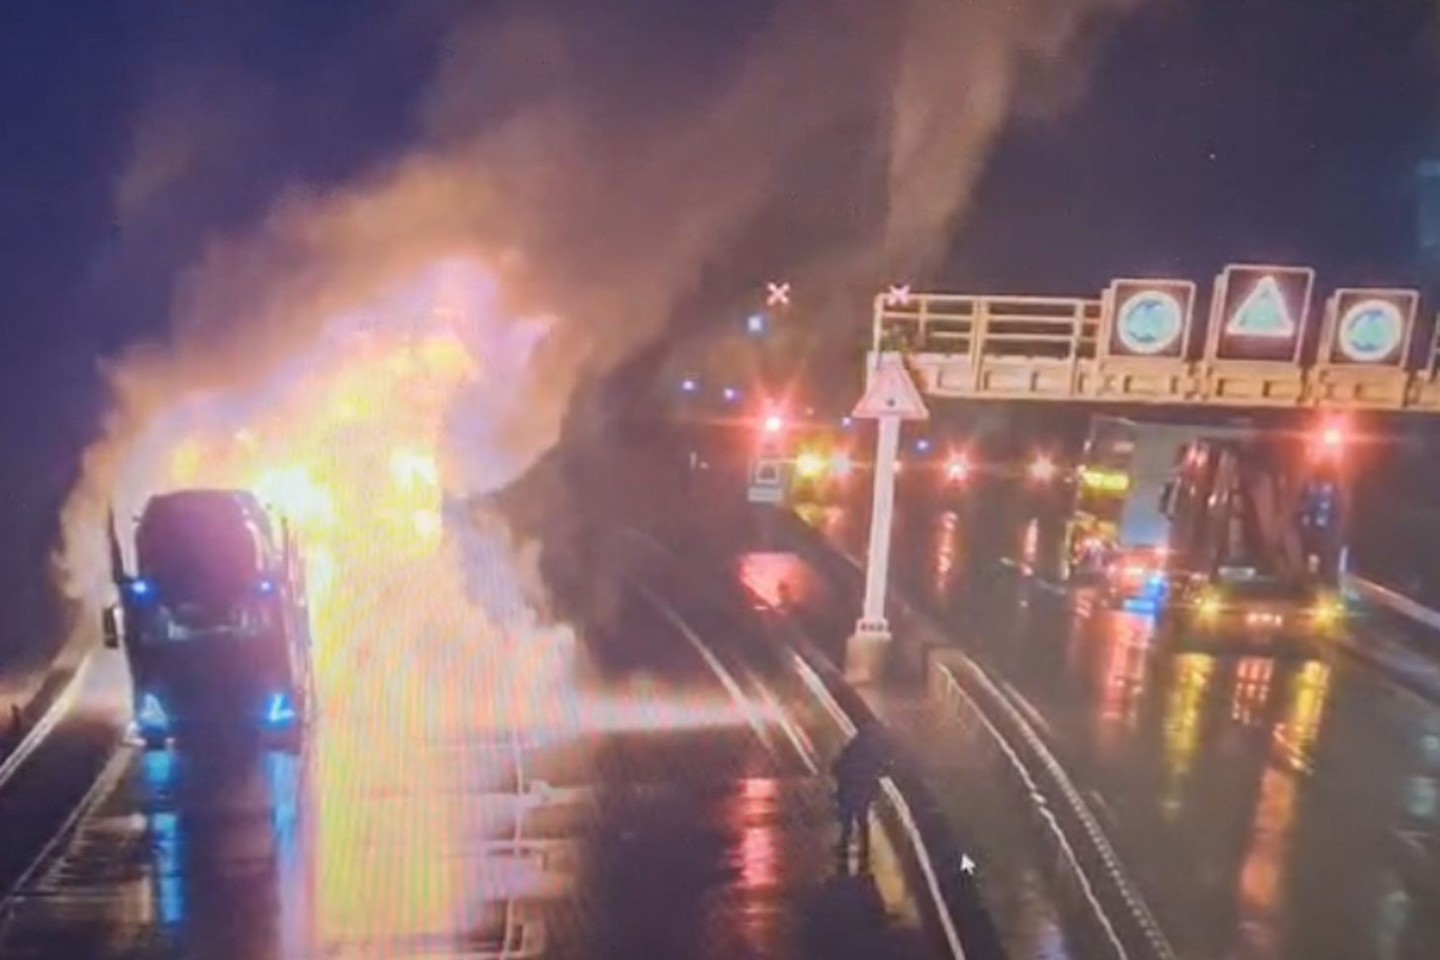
902 808
48 721
797 737
804 748
726 678
1021 701
957 692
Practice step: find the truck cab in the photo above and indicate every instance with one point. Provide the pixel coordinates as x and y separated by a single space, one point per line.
1257 534
1207 524
214 622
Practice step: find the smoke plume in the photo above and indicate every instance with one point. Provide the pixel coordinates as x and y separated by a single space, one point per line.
585 167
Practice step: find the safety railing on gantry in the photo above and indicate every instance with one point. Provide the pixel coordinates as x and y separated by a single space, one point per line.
1139 342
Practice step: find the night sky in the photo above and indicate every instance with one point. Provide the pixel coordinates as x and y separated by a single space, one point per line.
1185 135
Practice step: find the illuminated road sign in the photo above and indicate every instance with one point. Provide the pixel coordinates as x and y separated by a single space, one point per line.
767 481
1259 313
1263 313
1262 348
1371 331
898 295
892 394
1370 327
1148 318
777 294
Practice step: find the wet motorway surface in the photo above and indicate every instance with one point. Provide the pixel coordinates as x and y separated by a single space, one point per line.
628 805
1271 804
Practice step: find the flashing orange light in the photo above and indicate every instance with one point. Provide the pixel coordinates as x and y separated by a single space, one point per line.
1332 438
957 470
1042 469
774 423
810 465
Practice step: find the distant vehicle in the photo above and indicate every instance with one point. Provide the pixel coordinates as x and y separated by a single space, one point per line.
1240 602
1120 485
1207 525
215 621
1137 579
800 464
1258 536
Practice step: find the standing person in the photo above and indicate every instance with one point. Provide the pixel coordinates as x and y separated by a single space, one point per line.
857 771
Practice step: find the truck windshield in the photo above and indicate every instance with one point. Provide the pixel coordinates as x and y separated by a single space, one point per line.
200 550
183 622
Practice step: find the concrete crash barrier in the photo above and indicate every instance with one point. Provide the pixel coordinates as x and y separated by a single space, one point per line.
1379 595
1091 884
911 817
1103 907
38 700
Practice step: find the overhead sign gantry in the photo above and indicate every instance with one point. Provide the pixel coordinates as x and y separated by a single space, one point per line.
1140 342
1137 343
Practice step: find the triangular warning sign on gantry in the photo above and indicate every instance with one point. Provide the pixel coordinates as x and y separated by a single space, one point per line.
1263 313
891 393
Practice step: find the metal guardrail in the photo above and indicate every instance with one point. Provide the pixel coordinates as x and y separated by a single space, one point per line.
1383 596
53 696
897 802
952 693
1054 348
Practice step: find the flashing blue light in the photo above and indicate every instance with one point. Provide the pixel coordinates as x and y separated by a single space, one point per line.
730 394
152 715
267 586
689 385
279 712
846 422
169 843
141 588
922 445
755 323
1143 605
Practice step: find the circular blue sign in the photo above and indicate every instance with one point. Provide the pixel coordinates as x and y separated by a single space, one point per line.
1150 322
1371 331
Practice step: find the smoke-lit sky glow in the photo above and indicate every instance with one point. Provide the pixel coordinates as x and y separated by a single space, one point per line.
561 182
546 220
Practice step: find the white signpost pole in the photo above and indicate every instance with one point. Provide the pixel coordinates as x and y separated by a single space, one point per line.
882 515
890 398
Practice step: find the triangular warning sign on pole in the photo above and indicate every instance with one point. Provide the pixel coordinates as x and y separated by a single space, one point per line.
891 393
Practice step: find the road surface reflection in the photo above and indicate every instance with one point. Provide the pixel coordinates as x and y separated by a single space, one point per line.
1271 804
636 807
